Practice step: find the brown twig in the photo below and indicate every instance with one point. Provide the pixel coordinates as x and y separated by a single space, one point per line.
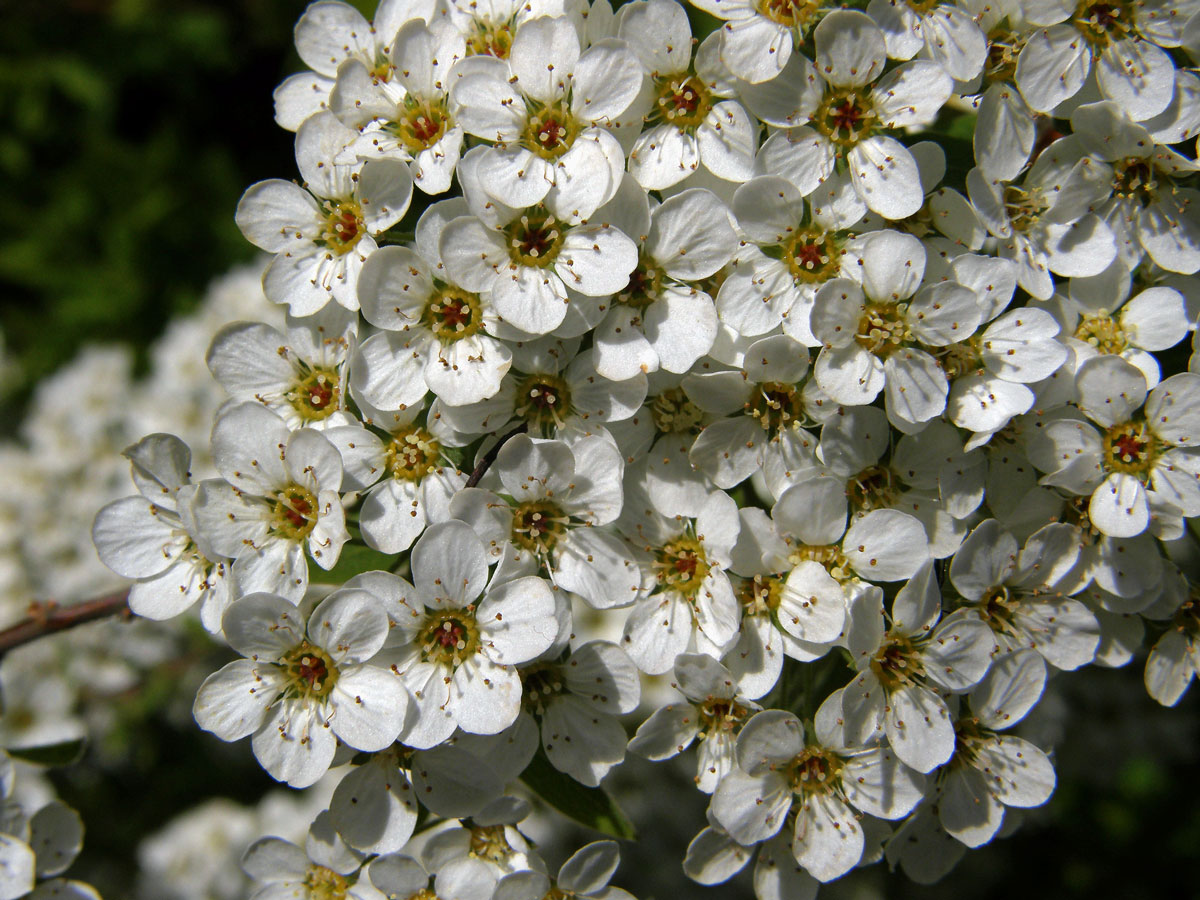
490 456
48 618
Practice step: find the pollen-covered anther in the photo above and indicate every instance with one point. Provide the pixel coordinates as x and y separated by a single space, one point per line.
311 673
681 565
1130 448
295 513
449 638
344 226
845 116
412 454
883 328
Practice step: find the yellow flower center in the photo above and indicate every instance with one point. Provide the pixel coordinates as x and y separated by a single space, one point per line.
295 513
845 116
544 401
681 100
412 454
777 406
344 226
315 395
448 638
422 123
453 314
550 130
681 566
1101 23
537 525
311 672
883 328
534 239
1130 448
674 412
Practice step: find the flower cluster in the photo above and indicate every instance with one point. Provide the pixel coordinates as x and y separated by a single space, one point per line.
596 330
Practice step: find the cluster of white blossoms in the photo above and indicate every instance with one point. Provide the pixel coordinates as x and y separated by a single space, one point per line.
614 353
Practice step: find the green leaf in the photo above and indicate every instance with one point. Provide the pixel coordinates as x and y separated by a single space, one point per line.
589 806
355 559
62 754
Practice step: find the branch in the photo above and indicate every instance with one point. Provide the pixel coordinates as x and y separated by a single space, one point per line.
48 618
490 456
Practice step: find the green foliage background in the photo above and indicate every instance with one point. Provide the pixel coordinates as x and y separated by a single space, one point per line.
128 130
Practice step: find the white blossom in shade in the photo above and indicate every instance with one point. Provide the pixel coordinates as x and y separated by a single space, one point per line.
300 691
1151 211
458 877
808 523
490 837
434 336
758 39
1123 45
689 122
714 857
691 604
783 773
904 663
400 107
991 371
1022 593
152 538
300 375
991 771
551 394
534 263
461 642
857 105
947 34
803 243
1142 461
559 498
585 874
1046 223
1175 657
922 848
663 318
324 867
322 232
714 712
1101 318
766 431
873 335
489 28
576 701
547 110
327 35
406 477
926 475
279 497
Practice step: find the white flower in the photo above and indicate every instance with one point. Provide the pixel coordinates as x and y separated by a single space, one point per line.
405 475
1046 223
903 668
461 643
534 263
991 771
946 33
560 497
874 335
434 335
576 701
857 104
300 691
716 711
585 874
152 538
690 122
325 867
1150 211
692 602
757 38
400 107
547 111
822 781
322 233
1175 658
279 497
1102 318
1123 42
663 318
1142 462
1019 591
301 376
